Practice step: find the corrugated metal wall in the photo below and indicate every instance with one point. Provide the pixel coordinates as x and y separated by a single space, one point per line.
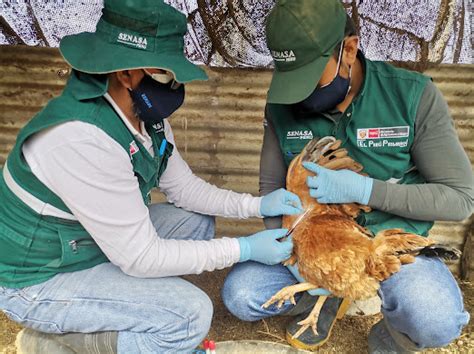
219 129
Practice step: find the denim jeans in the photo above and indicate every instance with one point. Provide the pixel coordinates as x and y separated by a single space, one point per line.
422 300
151 315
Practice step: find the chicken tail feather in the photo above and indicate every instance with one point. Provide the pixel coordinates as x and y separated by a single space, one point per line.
444 252
395 247
398 242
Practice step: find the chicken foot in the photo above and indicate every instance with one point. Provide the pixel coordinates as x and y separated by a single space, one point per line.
288 293
312 319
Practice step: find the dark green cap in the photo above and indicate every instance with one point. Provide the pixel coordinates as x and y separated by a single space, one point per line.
133 34
301 36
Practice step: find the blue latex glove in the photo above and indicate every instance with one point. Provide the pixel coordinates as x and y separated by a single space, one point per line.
315 292
280 202
263 247
343 186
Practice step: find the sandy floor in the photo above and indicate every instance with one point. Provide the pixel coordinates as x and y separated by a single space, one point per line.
349 334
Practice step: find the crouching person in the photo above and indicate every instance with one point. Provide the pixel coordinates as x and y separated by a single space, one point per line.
324 86
87 264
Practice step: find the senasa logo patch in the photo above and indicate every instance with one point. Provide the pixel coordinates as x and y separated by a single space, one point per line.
132 40
299 134
283 55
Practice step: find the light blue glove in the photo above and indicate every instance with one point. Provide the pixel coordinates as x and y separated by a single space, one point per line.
315 292
263 247
280 202
343 186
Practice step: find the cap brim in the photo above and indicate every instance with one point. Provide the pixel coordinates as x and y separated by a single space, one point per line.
288 87
86 52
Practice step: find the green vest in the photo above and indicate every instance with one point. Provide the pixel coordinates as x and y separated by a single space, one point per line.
34 247
377 129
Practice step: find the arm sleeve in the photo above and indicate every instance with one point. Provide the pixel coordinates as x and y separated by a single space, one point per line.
188 191
440 158
94 177
272 167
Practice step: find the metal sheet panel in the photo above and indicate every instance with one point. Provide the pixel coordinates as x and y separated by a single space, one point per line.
219 130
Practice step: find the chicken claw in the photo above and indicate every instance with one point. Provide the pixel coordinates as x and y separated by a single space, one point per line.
308 321
288 293
281 296
312 319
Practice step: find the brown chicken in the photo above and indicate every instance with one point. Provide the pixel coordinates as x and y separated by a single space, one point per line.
331 249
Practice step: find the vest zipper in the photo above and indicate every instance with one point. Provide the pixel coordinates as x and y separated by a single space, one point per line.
80 242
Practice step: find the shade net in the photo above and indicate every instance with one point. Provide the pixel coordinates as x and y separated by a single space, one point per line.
231 33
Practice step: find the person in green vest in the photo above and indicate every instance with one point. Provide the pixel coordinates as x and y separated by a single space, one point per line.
87 263
397 125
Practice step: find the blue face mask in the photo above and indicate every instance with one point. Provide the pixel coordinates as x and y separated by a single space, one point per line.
154 101
328 96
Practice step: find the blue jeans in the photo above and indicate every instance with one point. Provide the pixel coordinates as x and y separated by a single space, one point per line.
422 301
151 315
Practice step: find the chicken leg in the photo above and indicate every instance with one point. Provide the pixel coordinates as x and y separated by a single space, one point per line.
288 293
312 319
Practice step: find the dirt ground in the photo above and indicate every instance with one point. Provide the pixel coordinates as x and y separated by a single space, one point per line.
349 334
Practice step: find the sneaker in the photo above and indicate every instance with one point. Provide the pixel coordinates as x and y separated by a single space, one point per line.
333 309
381 342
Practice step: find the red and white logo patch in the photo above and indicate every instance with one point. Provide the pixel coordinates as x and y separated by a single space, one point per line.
374 133
133 148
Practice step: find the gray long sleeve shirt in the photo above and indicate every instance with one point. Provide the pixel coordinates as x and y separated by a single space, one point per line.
448 193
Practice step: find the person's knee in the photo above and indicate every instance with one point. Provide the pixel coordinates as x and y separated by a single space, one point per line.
429 325
190 327
239 301
240 296
430 313
208 223
203 226
199 320
182 223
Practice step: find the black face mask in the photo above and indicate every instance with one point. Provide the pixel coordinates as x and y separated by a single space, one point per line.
323 98
154 101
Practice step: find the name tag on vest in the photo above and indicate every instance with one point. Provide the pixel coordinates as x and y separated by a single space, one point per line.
379 137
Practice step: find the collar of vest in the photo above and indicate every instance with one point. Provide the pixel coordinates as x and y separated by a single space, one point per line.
84 86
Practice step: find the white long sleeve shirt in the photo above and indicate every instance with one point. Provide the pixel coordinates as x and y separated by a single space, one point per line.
94 177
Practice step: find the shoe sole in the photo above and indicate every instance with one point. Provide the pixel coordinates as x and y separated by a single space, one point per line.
294 342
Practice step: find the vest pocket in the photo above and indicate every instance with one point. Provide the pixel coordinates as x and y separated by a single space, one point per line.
14 250
77 247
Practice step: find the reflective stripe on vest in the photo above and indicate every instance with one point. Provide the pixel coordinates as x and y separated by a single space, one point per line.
34 203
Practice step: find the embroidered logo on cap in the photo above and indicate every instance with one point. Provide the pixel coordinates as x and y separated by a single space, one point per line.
132 40
283 55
